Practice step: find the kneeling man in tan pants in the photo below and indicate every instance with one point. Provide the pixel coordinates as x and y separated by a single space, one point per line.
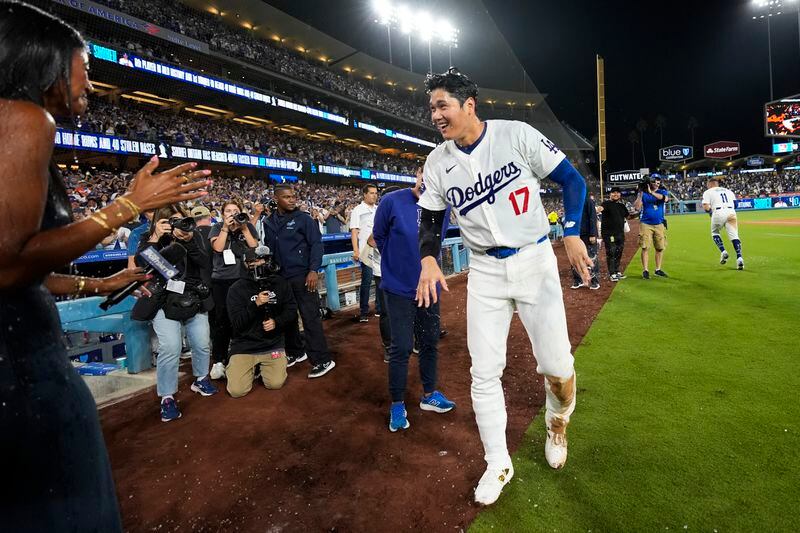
260 306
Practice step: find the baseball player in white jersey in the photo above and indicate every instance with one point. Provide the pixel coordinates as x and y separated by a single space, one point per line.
718 202
489 172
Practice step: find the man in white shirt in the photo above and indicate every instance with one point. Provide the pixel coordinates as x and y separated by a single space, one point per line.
489 173
362 218
718 203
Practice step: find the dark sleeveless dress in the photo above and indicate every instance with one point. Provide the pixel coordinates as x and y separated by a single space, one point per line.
55 470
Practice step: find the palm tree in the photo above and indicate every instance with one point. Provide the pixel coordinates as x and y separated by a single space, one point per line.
641 125
661 123
692 125
633 137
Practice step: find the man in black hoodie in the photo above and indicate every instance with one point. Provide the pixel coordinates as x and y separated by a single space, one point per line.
294 238
260 307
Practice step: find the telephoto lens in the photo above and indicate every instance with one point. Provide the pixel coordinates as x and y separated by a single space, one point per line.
241 218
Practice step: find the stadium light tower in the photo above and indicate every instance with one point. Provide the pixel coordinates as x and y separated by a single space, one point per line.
385 13
406 20
767 8
449 36
425 27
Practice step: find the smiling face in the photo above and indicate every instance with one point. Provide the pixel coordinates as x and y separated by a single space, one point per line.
450 117
77 94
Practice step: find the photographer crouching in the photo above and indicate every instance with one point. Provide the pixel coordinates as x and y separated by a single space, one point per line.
260 307
182 301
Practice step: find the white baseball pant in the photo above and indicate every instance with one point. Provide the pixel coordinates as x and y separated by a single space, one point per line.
725 218
530 281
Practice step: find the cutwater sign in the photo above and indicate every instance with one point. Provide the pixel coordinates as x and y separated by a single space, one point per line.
755 162
624 176
676 153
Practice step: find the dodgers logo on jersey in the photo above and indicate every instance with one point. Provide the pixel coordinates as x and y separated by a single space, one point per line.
484 189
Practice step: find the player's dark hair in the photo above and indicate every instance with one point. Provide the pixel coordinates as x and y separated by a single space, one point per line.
455 83
283 187
367 187
36 51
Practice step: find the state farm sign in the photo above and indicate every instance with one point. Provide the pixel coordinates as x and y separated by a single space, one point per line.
721 149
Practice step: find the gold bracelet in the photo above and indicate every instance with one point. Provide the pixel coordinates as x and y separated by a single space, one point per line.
80 284
132 207
101 222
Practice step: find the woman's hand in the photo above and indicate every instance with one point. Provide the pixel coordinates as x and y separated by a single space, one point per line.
162 228
121 279
180 184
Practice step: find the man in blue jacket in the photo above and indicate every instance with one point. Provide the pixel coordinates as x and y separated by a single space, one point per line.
296 242
650 202
396 233
589 238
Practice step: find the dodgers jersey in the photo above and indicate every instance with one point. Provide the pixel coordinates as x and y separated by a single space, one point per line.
494 190
719 198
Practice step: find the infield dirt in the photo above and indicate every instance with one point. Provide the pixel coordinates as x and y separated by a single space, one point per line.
317 455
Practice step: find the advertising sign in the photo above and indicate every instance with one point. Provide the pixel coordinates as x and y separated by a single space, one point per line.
675 152
721 149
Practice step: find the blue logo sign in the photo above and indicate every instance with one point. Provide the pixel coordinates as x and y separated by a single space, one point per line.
675 153
755 161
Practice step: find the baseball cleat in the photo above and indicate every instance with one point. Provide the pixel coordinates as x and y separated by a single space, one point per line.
723 257
661 273
491 484
397 417
740 264
577 285
645 274
555 449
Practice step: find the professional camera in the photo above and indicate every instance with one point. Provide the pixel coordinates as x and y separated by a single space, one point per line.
261 273
272 205
186 224
241 218
644 185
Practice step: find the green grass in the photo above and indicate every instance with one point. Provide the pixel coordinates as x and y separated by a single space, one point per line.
688 414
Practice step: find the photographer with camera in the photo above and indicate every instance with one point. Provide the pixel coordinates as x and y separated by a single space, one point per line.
334 217
184 300
260 307
229 240
650 202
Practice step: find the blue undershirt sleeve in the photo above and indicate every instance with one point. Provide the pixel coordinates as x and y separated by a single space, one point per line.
574 192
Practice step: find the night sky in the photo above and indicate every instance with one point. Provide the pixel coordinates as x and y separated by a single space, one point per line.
678 59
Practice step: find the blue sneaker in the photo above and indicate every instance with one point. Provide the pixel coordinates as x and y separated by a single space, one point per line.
397 417
204 387
436 402
169 410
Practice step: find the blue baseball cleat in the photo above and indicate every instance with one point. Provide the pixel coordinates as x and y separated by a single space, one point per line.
436 402
397 417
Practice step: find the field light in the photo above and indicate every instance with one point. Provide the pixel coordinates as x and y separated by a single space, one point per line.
417 23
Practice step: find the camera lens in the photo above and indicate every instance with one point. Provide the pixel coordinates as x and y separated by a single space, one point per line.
241 218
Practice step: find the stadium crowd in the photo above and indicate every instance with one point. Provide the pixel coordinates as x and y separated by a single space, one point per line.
744 185
138 122
242 43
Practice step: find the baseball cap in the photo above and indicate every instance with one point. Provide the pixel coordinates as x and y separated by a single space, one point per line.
200 212
615 189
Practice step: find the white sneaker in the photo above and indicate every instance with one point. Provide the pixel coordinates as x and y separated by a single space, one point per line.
723 257
217 371
492 483
555 449
740 263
